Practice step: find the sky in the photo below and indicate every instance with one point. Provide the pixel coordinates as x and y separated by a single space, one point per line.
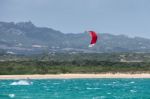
128 17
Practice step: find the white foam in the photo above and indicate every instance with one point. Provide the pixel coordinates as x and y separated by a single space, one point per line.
132 82
114 82
107 84
99 97
11 95
21 82
88 88
108 93
132 91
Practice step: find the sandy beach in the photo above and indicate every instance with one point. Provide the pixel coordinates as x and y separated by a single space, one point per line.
70 76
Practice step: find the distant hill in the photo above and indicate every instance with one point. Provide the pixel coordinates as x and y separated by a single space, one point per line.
26 38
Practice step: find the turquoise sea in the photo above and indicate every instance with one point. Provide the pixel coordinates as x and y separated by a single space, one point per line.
75 89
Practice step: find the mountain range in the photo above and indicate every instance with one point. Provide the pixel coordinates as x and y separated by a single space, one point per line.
26 38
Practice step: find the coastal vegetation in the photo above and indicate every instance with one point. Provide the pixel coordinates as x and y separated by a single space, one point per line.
56 63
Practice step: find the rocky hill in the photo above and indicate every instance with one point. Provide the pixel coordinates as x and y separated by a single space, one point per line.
26 38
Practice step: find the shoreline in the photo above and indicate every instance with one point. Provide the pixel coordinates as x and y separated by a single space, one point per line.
74 76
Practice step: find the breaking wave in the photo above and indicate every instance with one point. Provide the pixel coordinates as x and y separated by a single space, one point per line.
21 82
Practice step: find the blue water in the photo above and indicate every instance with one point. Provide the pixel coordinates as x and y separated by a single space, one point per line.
75 89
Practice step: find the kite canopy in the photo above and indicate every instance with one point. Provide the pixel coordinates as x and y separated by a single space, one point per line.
93 38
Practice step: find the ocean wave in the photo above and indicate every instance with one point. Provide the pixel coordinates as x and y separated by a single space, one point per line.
11 95
133 91
132 82
92 88
21 82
